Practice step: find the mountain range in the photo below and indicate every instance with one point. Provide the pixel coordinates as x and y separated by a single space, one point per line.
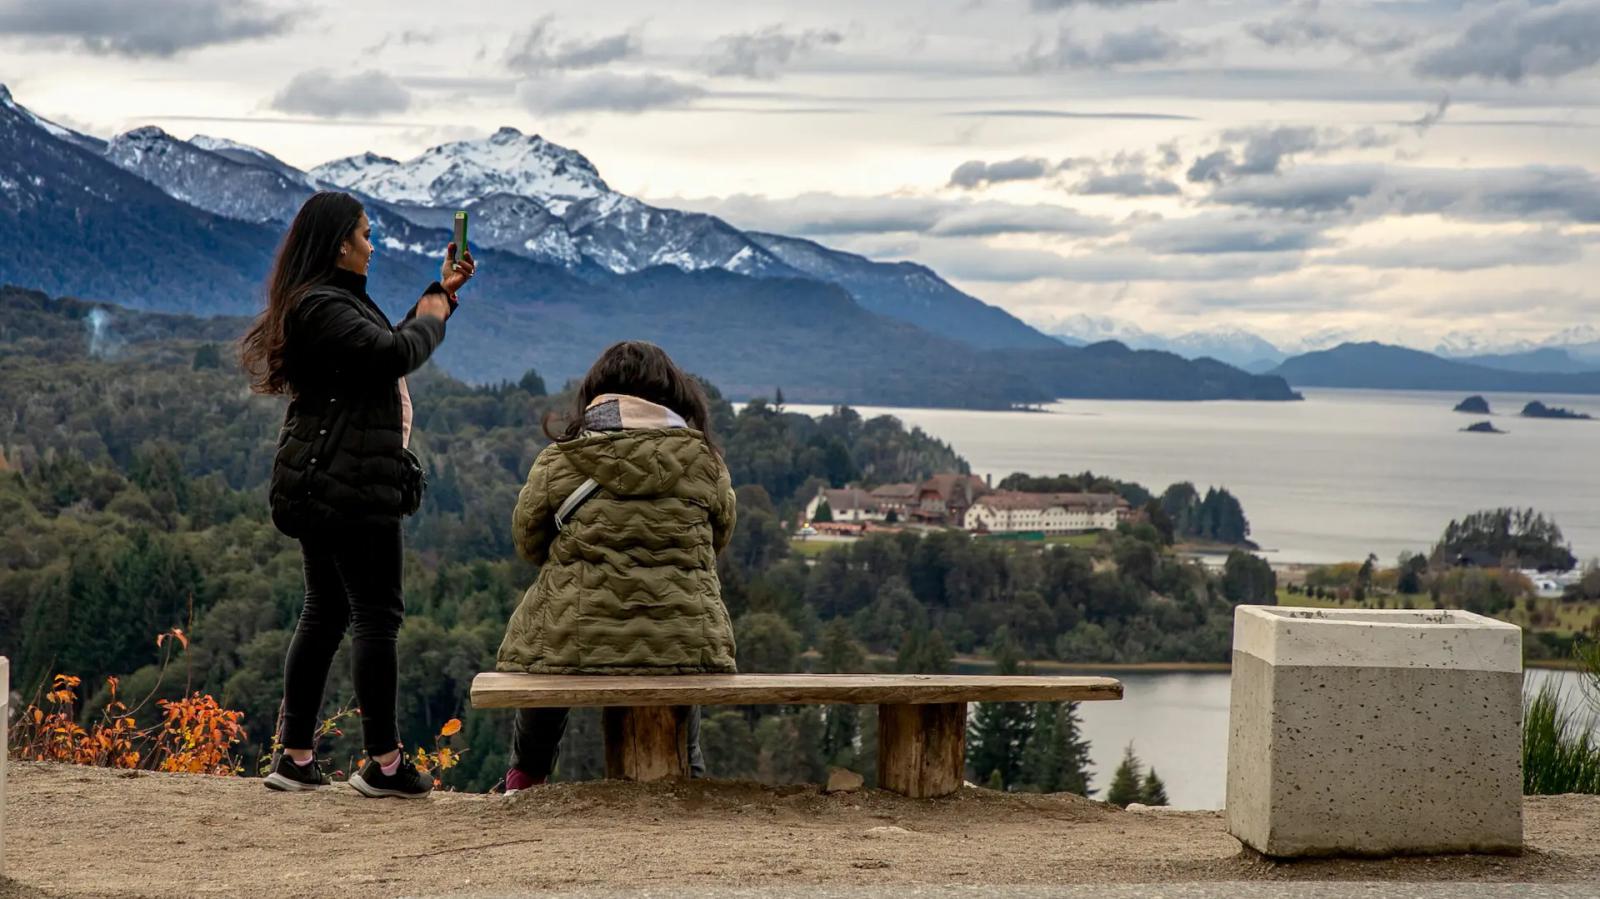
1383 367
152 222
1571 351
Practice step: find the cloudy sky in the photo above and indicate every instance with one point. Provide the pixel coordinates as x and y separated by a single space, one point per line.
1395 170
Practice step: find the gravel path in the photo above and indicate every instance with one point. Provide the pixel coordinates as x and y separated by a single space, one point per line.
85 832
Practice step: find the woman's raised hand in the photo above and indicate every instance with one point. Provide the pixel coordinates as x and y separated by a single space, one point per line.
455 273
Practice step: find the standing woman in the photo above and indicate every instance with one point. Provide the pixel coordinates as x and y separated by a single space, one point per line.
343 476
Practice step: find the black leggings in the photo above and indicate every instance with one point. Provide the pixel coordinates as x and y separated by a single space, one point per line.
352 580
536 741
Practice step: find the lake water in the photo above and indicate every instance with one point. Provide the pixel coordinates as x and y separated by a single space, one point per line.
1341 475
1178 723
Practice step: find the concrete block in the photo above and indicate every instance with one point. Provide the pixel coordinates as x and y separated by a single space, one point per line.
1368 732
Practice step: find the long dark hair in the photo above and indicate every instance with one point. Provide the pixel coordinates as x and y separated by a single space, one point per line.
644 370
308 257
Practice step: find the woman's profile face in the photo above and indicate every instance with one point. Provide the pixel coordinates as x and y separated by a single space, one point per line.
355 253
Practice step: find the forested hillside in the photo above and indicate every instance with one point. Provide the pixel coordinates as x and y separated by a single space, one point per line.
132 502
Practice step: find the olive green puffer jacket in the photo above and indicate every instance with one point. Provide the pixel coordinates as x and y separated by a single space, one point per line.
630 586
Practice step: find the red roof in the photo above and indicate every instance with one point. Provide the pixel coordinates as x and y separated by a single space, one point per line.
950 486
1015 499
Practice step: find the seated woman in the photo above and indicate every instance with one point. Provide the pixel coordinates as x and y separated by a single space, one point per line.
625 512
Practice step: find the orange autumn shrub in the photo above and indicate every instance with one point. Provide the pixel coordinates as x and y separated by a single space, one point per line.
194 735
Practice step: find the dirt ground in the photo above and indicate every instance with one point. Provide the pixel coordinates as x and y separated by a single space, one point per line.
87 832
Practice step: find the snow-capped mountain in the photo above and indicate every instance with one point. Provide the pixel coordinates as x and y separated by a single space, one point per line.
245 154
1578 345
1231 345
1234 346
538 199
460 172
546 203
248 191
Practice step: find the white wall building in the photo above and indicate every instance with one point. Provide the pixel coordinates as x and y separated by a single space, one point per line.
1012 512
847 504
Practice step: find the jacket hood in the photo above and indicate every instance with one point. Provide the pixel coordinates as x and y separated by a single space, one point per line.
646 462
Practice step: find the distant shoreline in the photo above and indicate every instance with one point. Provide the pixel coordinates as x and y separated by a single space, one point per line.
1057 667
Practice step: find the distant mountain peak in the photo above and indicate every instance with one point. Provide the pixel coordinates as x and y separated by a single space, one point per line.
459 172
5 96
143 133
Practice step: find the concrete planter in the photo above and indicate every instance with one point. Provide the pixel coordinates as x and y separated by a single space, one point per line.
1357 732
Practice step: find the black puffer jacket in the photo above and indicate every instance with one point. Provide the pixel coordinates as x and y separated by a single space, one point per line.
339 459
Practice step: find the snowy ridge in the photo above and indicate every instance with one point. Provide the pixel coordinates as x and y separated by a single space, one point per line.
541 201
457 173
211 181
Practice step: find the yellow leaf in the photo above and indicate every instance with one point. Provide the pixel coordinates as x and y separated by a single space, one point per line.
451 728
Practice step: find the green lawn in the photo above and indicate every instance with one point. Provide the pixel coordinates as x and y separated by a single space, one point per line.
1081 541
814 547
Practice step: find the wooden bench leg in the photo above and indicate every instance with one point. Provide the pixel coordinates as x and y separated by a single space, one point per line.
922 749
646 742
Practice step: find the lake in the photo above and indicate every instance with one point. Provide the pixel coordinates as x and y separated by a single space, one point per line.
1179 724
1341 475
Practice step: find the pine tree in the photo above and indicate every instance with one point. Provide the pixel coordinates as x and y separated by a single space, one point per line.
824 512
999 735
1125 784
1153 791
841 654
1057 757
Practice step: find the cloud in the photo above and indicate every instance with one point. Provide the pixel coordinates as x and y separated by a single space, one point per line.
762 54
1125 184
122 28
326 93
1209 234
1145 44
977 173
992 219
832 214
1433 116
406 38
1262 151
606 91
1465 253
1534 192
539 50
1064 114
1005 264
1514 42
1058 5
1308 29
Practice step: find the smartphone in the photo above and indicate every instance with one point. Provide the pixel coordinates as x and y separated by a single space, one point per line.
461 236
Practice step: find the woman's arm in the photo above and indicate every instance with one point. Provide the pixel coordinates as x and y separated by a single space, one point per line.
334 326
725 514
532 522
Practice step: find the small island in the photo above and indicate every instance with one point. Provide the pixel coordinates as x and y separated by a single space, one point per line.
1482 427
1475 405
1537 409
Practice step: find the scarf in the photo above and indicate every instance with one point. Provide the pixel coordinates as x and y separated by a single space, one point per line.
620 412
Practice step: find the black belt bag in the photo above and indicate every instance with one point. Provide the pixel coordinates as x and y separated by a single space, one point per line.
413 482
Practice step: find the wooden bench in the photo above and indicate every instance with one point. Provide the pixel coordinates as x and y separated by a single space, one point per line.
922 718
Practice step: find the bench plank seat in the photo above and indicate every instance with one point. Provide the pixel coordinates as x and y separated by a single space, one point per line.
497 690
922 718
